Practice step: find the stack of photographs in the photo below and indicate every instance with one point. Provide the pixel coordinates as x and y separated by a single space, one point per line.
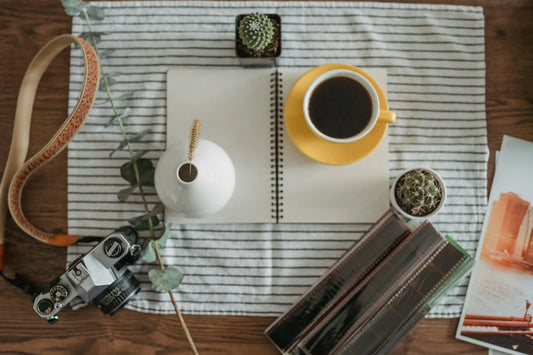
497 312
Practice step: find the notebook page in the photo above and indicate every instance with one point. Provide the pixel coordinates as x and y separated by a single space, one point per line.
233 106
319 193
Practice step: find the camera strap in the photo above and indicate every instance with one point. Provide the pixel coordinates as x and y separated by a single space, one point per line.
17 170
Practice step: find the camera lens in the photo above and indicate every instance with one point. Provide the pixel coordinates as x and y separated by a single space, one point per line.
116 295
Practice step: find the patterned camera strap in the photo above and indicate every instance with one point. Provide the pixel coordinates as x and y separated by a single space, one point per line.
17 170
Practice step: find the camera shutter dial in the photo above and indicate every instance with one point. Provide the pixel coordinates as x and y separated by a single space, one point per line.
113 247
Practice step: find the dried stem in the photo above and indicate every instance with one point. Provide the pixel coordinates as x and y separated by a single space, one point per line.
141 190
183 324
193 141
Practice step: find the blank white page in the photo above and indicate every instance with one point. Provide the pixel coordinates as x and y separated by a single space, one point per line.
319 193
233 106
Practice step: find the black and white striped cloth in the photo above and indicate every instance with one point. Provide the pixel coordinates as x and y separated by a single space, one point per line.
434 57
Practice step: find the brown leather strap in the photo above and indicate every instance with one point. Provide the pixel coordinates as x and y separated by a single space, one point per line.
17 171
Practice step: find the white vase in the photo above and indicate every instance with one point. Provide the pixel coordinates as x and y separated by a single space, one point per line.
199 190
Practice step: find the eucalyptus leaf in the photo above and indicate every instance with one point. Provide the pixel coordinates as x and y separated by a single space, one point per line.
74 7
119 147
94 13
158 208
162 240
148 177
105 53
139 154
148 252
71 3
107 78
127 95
92 36
153 213
104 101
101 102
143 165
125 114
142 223
125 193
165 280
137 137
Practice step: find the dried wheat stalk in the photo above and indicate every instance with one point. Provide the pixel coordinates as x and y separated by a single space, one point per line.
193 141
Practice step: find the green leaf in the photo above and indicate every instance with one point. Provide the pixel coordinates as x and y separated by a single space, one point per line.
148 252
142 223
148 177
94 13
165 280
143 165
125 193
143 217
125 114
155 221
124 96
127 95
90 36
70 2
158 208
105 53
139 154
137 137
162 240
109 78
119 147
74 7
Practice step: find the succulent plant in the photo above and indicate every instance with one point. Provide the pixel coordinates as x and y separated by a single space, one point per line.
418 192
256 31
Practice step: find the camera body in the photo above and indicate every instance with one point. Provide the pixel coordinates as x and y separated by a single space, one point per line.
100 276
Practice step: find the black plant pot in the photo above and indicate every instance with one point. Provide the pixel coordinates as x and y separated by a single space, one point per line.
264 57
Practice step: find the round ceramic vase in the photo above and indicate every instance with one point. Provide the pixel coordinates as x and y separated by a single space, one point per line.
200 194
407 215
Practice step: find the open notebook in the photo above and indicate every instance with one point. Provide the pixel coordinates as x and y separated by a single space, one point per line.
241 110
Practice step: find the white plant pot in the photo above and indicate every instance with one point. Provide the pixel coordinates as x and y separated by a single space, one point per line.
396 207
199 196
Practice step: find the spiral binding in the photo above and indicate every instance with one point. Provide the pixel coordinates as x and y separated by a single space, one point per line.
276 144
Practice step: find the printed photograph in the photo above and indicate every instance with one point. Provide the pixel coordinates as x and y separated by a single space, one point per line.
499 309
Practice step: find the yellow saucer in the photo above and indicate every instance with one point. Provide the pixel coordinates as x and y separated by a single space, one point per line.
317 148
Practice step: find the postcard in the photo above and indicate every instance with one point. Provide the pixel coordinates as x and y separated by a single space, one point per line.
497 311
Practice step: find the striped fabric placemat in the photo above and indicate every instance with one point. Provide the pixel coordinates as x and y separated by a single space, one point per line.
434 57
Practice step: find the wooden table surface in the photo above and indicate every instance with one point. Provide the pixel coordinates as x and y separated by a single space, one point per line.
26 25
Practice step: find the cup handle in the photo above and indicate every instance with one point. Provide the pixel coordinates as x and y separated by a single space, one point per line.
386 116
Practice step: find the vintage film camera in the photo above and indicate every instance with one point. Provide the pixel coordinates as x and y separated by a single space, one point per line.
101 276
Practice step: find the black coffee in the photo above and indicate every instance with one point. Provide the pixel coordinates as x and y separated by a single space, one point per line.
340 107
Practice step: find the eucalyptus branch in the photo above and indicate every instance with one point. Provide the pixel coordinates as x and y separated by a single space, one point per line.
78 6
121 125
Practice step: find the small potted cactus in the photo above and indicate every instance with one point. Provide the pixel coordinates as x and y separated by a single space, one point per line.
418 193
258 39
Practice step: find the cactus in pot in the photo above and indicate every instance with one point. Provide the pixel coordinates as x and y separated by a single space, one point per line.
256 31
418 193
258 39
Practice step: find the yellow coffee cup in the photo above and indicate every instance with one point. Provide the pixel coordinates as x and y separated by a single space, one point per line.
342 106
